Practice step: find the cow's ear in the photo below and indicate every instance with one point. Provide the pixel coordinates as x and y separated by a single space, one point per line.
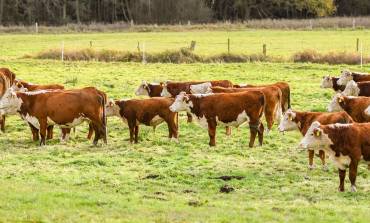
290 117
187 99
317 132
161 84
340 99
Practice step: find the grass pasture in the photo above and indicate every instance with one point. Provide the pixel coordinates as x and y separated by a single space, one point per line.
158 180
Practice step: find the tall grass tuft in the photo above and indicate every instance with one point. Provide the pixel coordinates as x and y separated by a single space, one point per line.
343 57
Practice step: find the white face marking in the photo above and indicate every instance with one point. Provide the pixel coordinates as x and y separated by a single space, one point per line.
181 103
345 77
326 82
112 109
351 89
10 104
165 92
200 88
313 141
142 89
334 105
287 123
241 119
156 120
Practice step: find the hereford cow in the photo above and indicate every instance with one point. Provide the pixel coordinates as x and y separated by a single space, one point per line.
346 145
347 76
331 82
354 106
66 108
150 112
273 101
149 89
284 87
230 109
294 120
7 78
357 89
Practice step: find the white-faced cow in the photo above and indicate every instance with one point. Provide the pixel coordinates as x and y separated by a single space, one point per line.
295 120
230 109
7 78
150 112
346 145
149 89
354 106
66 108
347 76
357 89
331 82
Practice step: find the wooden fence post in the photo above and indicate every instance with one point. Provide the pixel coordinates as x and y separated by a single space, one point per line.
264 49
36 27
192 45
144 56
357 44
138 47
90 43
228 45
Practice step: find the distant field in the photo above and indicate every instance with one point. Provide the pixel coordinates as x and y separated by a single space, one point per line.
279 43
76 182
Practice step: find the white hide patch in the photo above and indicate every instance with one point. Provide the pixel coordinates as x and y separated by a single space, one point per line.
156 120
74 123
367 111
202 121
165 92
243 85
241 119
202 95
340 162
200 88
351 89
37 92
32 120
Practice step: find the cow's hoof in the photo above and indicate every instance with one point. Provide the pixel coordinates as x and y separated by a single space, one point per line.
325 168
311 167
341 189
174 140
353 188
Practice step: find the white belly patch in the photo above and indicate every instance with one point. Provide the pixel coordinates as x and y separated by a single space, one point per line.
32 120
202 121
241 119
156 120
74 123
341 162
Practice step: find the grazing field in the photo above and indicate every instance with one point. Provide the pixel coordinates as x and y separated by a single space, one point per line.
161 181
279 42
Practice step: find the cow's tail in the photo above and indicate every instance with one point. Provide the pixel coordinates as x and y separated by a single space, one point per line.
262 101
288 90
104 118
279 109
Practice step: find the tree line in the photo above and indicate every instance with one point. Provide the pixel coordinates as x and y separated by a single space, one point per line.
59 12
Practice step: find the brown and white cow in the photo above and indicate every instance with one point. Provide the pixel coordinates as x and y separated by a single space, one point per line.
346 145
347 76
149 89
230 109
273 98
357 89
66 108
284 87
331 82
150 112
354 106
7 78
295 120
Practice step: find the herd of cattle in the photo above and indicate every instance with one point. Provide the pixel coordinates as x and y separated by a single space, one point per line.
337 133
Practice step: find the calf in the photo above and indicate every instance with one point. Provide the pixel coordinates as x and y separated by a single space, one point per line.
347 76
230 109
7 78
149 89
346 145
285 90
354 106
357 89
294 120
150 112
331 82
273 101
66 108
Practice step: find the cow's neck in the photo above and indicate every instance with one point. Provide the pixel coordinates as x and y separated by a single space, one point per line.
195 109
336 86
300 120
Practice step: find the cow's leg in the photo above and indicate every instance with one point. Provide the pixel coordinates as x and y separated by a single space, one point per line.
342 176
311 154
228 130
190 117
353 174
91 131
253 133
35 133
212 125
131 126
2 123
136 133
260 130
66 132
97 131
172 129
269 116
322 157
43 129
50 132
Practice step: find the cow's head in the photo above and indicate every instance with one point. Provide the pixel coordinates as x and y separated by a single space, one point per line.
200 88
181 103
336 102
10 103
351 89
287 122
18 86
345 77
315 138
165 92
112 109
143 89
327 82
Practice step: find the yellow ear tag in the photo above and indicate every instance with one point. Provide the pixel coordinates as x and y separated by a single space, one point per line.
318 133
340 100
290 118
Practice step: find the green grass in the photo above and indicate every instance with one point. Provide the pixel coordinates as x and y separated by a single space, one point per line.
279 43
76 182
